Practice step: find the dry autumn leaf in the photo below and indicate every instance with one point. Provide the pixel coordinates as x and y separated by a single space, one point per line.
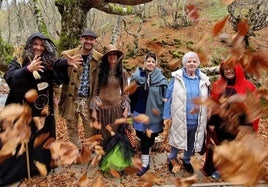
219 26
175 166
97 137
155 111
83 181
11 112
142 118
195 163
137 163
96 160
115 173
45 111
40 139
131 88
185 182
150 178
242 28
110 129
39 122
192 12
97 183
174 64
41 168
228 2
149 133
85 154
120 121
241 161
95 124
31 95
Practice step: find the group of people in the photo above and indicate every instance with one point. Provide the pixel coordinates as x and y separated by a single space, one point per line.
92 89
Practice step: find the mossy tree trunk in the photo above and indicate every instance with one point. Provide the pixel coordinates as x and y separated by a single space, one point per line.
73 19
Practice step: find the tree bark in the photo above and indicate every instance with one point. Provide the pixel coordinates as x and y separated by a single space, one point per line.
74 16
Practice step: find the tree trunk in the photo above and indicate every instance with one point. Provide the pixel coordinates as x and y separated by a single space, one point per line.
116 29
73 19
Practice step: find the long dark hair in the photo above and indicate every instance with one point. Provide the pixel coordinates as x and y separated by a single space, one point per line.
48 57
104 72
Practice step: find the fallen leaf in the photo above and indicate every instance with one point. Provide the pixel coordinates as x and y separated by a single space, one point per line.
228 2
175 166
185 182
195 163
150 178
83 180
97 183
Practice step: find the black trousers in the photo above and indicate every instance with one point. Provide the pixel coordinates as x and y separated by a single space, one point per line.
145 141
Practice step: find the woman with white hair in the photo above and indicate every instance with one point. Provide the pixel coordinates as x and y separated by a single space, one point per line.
188 121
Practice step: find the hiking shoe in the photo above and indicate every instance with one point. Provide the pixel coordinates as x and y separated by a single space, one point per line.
170 167
188 167
216 175
143 170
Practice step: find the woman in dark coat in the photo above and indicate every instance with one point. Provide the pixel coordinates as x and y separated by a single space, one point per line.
36 67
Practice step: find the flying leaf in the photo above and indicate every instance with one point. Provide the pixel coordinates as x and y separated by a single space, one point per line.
174 64
97 137
95 124
155 111
11 112
142 118
192 12
219 26
31 95
41 168
241 161
85 154
243 28
40 139
131 88
149 133
120 121
115 173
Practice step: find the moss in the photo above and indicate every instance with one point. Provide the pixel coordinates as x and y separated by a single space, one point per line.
177 54
122 10
6 51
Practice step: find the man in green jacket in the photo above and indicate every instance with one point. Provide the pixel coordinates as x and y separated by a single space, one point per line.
75 96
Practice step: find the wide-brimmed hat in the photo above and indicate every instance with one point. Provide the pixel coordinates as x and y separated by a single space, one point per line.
89 33
111 48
